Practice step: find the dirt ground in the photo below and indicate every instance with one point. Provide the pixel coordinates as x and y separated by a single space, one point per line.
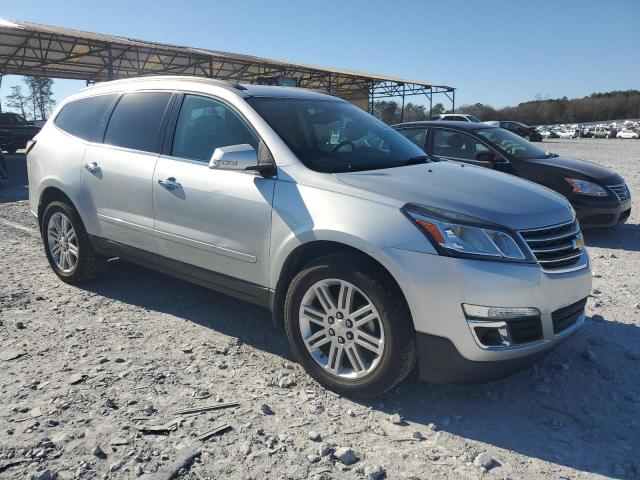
92 379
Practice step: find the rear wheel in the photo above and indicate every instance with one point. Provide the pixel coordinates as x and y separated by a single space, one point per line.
349 326
67 244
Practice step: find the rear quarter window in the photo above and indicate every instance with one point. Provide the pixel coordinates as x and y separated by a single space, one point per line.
135 122
81 118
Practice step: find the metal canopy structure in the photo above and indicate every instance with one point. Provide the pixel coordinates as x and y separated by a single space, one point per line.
33 49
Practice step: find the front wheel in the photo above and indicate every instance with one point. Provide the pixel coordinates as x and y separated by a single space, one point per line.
349 326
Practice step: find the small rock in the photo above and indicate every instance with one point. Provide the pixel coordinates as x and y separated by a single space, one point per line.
119 360
98 452
483 460
42 475
36 412
76 378
396 419
313 436
597 318
245 448
286 382
187 349
597 291
612 255
432 426
346 455
149 408
111 403
139 471
637 306
373 472
21 326
589 355
418 435
325 449
313 458
266 409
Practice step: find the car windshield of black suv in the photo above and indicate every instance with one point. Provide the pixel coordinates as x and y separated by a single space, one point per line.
334 136
512 144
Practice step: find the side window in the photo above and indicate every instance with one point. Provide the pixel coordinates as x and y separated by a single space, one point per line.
205 124
82 117
416 135
452 144
135 122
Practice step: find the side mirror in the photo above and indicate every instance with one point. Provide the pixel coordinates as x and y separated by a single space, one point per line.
234 157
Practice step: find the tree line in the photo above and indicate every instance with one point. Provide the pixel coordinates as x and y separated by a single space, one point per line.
36 103
615 105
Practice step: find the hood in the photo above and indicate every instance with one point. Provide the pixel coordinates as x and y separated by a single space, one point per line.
581 169
475 191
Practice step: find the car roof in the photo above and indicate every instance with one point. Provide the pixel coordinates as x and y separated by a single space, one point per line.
440 123
243 90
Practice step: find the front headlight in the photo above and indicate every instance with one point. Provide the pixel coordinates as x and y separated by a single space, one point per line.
458 235
586 188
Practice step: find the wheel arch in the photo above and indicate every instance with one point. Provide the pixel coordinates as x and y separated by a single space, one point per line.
52 193
305 253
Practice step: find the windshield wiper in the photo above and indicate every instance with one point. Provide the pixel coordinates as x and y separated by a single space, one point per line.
417 160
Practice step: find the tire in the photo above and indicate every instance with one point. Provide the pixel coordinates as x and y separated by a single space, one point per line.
88 264
391 323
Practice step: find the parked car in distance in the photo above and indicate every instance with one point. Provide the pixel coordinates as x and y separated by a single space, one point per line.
375 256
625 133
568 134
599 196
18 131
601 132
525 131
458 117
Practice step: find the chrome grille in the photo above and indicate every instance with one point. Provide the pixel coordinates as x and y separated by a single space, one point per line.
621 191
557 247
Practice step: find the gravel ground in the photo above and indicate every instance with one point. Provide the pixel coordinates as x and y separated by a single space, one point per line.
92 380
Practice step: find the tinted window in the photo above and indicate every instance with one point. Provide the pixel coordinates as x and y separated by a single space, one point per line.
416 135
511 144
82 117
449 143
135 122
205 124
335 136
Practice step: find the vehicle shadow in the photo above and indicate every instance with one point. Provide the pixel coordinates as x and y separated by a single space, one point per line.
16 187
622 237
566 409
135 285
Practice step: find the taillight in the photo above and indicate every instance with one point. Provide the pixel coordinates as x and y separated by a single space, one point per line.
30 145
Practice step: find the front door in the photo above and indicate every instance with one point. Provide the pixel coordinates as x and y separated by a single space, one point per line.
116 174
214 219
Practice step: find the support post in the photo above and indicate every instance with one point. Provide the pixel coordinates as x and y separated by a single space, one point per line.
402 111
430 103
0 90
453 101
372 98
110 65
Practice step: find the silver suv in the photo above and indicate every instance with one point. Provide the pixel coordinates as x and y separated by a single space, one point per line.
375 256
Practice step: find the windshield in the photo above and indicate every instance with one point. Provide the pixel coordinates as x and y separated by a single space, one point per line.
473 118
335 136
512 144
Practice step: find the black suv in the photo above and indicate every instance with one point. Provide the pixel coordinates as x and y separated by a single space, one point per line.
599 196
15 132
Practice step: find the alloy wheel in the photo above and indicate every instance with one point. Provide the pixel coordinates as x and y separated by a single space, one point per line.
341 329
62 242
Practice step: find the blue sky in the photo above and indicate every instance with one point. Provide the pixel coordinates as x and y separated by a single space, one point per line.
493 51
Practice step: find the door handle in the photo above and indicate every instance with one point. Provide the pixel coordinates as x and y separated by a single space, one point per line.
92 167
170 184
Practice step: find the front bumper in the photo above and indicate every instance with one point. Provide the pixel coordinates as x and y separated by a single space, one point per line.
595 212
435 288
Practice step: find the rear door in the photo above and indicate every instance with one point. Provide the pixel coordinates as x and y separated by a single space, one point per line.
213 219
117 173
